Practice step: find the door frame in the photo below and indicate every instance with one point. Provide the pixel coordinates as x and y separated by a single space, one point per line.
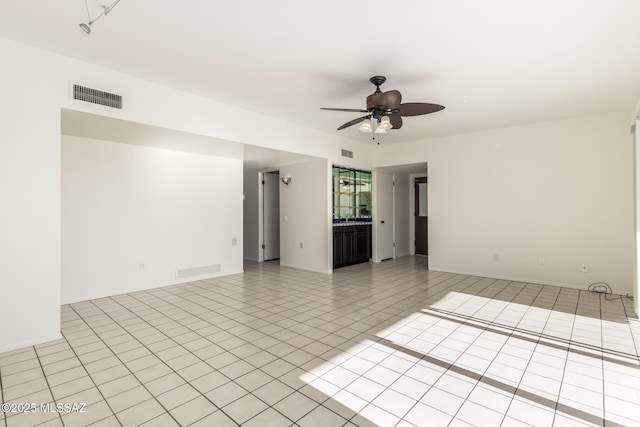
417 181
375 230
412 209
274 179
261 211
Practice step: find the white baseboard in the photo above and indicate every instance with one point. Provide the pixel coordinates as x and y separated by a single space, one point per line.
519 279
29 343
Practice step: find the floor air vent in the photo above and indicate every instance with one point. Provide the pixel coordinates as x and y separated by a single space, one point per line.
94 96
347 153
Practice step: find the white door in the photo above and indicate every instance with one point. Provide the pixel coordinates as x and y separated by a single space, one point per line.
384 218
271 216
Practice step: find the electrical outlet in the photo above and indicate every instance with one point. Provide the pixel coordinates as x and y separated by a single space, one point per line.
301 245
496 257
234 241
541 260
584 268
141 266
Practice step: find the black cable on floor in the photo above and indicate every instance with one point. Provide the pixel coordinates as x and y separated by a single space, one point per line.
604 288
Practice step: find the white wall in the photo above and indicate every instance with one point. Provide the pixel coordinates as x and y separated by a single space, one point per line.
37 87
30 214
591 154
305 205
126 205
401 215
250 215
561 190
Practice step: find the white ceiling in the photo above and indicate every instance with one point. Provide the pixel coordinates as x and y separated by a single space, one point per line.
492 63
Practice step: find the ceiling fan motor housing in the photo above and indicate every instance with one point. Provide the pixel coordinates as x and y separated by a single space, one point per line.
370 104
377 81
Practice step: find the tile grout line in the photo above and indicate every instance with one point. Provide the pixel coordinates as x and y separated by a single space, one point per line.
92 380
189 352
165 362
483 375
560 341
314 324
229 351
604 400
524 371
566 360
266 350
604 383
131 372
633 339
35 350
370 402
504 415
513 298
201 359
2 401
259 305
280 357
454 362
441 375
360 375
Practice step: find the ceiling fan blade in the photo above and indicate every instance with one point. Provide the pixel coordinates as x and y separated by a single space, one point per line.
353 110
396 120
354 121
390 99
418 108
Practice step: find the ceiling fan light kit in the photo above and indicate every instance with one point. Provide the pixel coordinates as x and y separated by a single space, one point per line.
385 110
380 130
365 126
385 123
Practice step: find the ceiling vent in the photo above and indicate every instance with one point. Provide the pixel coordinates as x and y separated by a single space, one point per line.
95 96
347 153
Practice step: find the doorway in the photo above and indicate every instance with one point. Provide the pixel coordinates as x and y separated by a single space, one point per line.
271 216
384 216
420 215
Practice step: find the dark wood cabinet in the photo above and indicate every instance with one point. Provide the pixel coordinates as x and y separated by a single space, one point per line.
347 247
351 245
338 254
362 243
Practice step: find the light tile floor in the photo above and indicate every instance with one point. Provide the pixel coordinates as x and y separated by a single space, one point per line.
389 344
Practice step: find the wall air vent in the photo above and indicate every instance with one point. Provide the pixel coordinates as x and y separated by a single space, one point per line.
198 271
94 96
347 153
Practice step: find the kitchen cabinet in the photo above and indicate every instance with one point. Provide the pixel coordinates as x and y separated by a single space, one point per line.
351 245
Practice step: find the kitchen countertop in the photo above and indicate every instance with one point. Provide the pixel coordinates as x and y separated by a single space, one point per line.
345 223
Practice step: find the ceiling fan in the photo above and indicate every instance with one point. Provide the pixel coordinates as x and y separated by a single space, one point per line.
385 110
